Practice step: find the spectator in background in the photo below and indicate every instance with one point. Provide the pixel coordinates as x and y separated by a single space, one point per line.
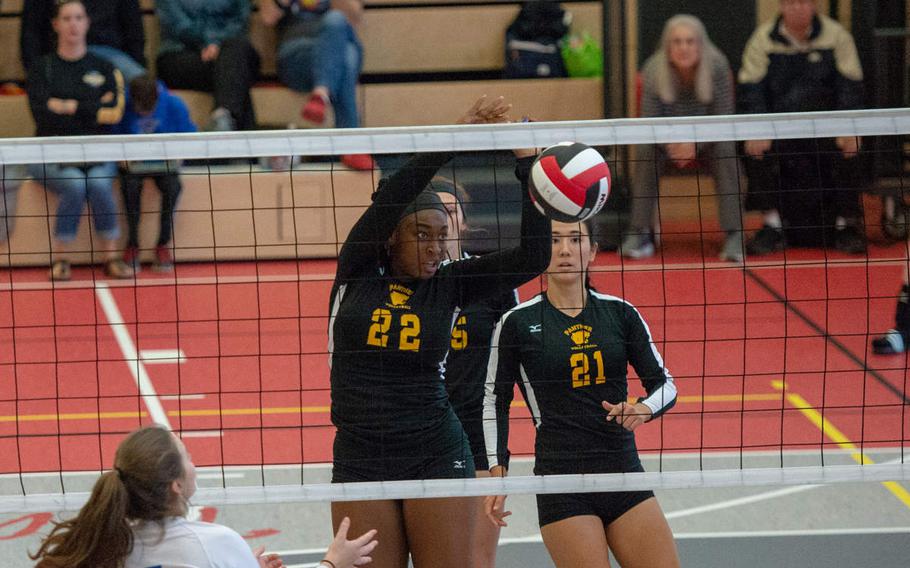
204 47
801 62
73 92
11 177
319 52
115 34
687 76
151 110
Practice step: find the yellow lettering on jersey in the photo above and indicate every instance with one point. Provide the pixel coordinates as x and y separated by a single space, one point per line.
378 334
581 368
579 334
408 340
460 334
399 296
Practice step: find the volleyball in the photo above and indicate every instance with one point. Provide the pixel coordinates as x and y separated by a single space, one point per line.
570 182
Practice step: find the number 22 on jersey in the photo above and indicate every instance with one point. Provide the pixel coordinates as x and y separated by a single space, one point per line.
408 337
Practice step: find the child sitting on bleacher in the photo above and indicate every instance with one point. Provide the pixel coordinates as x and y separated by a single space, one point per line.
151 110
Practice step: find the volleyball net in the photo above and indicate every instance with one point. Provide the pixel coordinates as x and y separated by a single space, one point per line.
776 382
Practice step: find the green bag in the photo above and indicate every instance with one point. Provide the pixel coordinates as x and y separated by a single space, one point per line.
582 56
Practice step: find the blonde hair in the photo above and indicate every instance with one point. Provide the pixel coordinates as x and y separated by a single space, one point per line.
665 78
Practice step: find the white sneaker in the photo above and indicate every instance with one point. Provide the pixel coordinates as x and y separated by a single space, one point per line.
637 246
733 248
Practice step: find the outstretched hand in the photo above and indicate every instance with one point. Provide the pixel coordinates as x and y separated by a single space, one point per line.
629 416
344 553
267 560
487 112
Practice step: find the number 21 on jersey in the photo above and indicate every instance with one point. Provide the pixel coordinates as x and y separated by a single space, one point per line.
581 369
408 337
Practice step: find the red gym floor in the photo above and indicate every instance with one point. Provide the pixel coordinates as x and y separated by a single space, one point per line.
233 356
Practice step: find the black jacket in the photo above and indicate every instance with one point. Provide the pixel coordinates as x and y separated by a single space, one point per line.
115 23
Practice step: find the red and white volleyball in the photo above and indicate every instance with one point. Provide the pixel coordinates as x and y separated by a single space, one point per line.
570 182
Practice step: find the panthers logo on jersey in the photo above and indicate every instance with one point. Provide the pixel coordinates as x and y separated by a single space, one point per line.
579 334
399 296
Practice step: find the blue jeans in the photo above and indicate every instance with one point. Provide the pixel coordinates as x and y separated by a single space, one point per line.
12 178
127 66
332 59
73 186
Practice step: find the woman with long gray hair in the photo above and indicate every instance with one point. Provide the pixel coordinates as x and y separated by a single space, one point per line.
686 76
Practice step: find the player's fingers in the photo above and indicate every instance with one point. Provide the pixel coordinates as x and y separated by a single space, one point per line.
365 537
342 533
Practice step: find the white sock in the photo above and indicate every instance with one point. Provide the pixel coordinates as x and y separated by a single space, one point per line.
772 219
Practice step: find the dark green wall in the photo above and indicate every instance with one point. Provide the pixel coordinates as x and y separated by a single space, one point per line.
729 23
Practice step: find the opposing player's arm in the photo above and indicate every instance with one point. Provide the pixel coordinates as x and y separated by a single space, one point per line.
648 364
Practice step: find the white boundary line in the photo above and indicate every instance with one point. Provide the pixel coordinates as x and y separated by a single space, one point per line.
330 276
131 356
162 356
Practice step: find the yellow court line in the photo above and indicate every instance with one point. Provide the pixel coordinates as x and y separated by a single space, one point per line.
831 431
278 410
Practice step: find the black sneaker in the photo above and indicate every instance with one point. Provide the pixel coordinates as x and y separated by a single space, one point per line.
766 240
891 343
849 240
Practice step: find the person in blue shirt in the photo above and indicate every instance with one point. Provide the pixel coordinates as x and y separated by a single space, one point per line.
152 109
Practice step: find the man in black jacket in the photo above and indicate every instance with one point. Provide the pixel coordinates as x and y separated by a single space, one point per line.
115 33
802 62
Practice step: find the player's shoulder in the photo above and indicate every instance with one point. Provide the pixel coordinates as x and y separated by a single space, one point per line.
524 310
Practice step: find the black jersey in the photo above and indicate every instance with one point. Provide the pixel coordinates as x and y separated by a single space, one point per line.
466 365
388 337
565 367
93 82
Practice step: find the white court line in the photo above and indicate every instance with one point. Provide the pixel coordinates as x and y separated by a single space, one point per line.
536 538
182 397
130 355
748 500
162 356
202 434
329 276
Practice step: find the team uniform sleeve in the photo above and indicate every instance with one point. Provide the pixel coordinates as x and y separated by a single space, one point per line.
480 277
502 374
367 238
108 111
648 364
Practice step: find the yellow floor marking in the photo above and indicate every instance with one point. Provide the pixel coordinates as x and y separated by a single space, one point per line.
838 437
274 410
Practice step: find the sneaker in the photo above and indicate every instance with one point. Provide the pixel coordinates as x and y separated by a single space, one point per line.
118 269
637 246
131 258
849 240
891 343
733 248
221 121
766 240
314 109
360 162
61 271
163 260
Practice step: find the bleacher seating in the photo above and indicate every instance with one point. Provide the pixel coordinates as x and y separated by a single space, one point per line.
401 37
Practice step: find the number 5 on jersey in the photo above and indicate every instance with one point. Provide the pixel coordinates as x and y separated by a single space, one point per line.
408 338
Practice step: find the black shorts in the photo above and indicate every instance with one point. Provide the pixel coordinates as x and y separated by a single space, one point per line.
446 456
608 506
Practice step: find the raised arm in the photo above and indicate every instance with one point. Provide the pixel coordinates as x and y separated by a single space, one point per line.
367 238
502 374
497 273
